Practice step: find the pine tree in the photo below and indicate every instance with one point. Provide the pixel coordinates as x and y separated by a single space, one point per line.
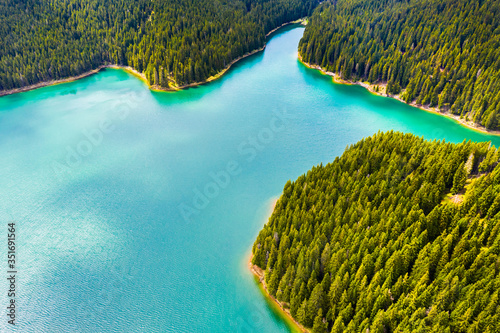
319 325
459 179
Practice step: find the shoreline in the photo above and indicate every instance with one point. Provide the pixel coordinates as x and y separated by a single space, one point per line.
142 76
223 71
258 274
208 80
302 21
127 69
382 86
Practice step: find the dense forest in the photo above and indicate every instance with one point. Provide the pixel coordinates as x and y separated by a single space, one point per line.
173 42
438 53
399 234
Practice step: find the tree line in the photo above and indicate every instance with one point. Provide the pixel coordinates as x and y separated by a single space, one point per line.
398 234
173 42
443 53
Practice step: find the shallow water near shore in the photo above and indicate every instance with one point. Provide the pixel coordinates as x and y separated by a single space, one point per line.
135 210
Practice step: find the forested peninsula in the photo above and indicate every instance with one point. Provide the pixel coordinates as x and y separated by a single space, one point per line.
441 54
170 43
398 234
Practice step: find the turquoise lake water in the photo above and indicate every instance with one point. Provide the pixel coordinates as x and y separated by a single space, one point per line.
136 210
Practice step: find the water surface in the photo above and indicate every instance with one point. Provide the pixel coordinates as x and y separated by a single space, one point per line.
103 178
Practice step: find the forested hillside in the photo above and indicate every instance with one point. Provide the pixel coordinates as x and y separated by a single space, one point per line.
176 41
397 235
443 53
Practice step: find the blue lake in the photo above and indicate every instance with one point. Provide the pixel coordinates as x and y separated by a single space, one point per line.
136 210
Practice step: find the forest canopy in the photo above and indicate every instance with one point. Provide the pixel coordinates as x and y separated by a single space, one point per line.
437 53
398 234
172 42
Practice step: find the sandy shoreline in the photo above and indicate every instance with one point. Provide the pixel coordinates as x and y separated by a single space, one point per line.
211 78
381 92
128 69
302 21
140 75
259 274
